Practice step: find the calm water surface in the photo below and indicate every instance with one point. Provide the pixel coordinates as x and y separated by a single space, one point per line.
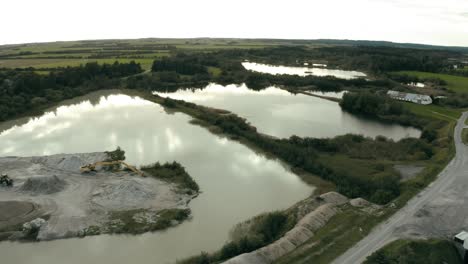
301 71
236 182
279 113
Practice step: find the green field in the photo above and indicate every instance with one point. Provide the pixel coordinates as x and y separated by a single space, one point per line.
417 251
56 63
465 136
143 51
434 111
454 83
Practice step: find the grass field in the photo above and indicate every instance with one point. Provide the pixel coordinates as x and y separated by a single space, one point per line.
56 63
454 83
434 111
417 251
143 51
465 136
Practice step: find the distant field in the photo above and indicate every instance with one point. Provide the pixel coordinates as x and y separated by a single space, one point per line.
455 83
143 51
56 63
434 111
464 69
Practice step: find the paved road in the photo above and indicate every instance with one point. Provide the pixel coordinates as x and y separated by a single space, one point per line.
439 210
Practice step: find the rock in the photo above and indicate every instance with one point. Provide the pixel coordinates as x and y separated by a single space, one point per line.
334 198
35 224
359 202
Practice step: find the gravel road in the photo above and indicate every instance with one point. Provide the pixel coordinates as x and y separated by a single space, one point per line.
440 210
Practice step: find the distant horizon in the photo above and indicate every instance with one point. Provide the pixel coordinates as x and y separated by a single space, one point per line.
429 22
240 38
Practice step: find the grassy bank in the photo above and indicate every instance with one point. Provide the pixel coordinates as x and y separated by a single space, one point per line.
416 251
340 233
249 236
138 221
465 136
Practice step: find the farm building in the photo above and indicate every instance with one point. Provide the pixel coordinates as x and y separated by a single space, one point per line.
462 239
410 97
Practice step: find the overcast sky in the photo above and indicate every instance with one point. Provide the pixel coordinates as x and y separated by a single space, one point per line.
417 21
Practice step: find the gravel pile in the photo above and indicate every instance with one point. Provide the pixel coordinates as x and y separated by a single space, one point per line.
43 185
124 194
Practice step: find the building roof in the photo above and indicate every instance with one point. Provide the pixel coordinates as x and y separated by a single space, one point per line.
463 235
409 96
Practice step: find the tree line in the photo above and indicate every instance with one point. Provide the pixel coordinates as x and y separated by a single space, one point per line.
22 91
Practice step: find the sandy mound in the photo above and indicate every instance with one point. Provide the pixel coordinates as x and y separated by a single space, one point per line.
43 185
69 162
124 194
302 232
334 198
359 202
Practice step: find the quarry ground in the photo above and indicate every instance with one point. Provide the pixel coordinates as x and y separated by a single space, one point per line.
52 187
439 211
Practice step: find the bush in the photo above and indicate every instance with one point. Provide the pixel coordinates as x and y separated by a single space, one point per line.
174 173
262 230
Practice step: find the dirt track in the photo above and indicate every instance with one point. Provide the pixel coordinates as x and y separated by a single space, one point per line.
17 212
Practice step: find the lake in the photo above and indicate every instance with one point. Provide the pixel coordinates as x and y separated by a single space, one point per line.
302 71
236 182
282 114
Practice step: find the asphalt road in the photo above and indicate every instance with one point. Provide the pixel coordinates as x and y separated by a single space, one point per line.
440 210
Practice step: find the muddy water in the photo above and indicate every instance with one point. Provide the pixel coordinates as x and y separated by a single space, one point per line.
236 182
302 71
279 113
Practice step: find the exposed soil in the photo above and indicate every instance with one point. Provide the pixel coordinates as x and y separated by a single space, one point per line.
408 172
53 186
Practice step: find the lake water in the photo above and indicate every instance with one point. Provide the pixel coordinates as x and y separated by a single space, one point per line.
282 114
337 95
302 71
417 84
236 182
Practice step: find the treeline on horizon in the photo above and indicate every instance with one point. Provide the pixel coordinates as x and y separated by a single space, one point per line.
24 90
365 58
183 70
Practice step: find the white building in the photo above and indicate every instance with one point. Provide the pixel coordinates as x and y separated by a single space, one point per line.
410 97
462 238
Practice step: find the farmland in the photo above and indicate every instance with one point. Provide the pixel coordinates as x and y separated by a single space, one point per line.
143 51
454 83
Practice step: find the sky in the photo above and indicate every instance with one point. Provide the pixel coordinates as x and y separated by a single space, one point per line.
412 21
